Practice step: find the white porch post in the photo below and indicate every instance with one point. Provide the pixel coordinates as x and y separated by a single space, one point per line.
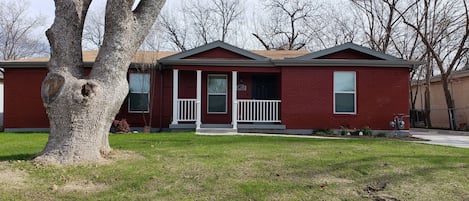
175 96
198 102
234 95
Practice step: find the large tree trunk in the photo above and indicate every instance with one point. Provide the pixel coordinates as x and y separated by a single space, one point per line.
81 108
81 112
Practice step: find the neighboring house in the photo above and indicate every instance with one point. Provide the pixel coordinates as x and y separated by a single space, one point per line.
221 86
1 100
459 85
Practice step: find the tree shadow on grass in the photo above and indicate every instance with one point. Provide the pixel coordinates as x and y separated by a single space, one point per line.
17 157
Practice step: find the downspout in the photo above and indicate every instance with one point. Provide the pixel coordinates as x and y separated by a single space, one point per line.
411 121
152 97
160 69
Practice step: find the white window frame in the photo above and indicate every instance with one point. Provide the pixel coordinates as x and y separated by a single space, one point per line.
149 89
354 92
225 94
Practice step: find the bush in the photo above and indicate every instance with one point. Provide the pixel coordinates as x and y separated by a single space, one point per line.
355 133
323 131
365 131
120 126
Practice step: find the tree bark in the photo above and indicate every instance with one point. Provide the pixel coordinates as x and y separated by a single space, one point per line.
80 113
449 102
81 108
427 101
427 105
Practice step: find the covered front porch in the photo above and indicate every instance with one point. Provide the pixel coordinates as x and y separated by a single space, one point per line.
225 101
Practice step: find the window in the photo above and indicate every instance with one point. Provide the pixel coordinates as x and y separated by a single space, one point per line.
217 87
344 92
139 96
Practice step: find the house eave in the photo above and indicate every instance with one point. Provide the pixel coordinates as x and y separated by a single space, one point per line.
23 64
33 64
13 65
347 63
291 63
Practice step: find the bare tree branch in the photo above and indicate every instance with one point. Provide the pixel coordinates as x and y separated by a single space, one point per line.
291 24
16 41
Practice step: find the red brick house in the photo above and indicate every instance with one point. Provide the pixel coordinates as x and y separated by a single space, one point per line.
221 86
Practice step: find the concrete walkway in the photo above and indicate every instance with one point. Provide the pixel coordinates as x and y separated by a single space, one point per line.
441 137
274 135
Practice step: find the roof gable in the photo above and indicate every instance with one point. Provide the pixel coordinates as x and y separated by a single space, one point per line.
348 51
218 53
217 50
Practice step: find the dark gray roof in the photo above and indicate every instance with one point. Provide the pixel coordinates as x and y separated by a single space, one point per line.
309 60
346 46
213 45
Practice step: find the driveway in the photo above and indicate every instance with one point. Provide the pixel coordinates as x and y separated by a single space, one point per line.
447 139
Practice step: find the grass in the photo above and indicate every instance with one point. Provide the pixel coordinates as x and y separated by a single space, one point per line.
183 166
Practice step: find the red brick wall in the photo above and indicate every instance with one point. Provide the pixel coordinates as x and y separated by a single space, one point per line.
306 92
24 108
307 97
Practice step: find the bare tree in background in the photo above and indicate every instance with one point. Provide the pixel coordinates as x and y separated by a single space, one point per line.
443 27
338 27
202 21
199 23
16 32
153 41
82 107
174 31
93 33
380 22
289 26
227 12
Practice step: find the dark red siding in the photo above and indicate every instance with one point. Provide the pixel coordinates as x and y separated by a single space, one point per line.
23 103
307 97
161 103
348 54
217 53
246 79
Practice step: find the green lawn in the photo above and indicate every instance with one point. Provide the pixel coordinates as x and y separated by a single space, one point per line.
183 166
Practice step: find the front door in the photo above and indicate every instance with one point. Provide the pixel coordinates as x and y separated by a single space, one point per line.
265 87
216 107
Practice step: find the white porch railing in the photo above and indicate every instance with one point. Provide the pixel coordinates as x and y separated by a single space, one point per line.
259 110
186 109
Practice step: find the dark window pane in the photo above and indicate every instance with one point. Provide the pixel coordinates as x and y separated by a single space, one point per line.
217 103
138 102
344 102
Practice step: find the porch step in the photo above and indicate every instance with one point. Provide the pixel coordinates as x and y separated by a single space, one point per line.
216 131
216 126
